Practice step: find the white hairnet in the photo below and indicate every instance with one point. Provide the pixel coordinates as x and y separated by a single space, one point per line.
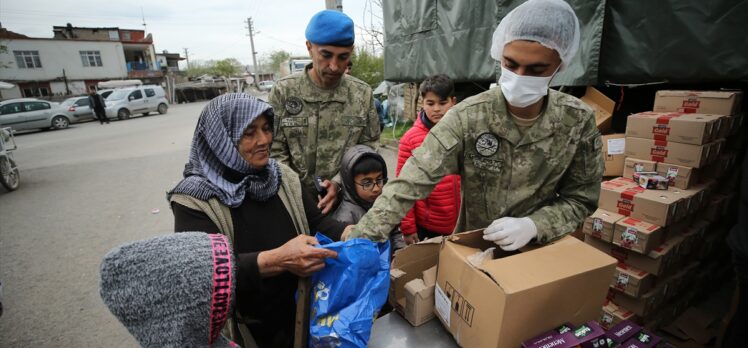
552 23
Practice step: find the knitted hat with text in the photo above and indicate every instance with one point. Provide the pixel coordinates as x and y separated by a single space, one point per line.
174 290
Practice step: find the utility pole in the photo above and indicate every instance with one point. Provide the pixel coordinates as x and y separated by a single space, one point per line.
334 5
250 27
187 56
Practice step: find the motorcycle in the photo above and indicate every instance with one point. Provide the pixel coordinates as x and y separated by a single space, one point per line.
9 175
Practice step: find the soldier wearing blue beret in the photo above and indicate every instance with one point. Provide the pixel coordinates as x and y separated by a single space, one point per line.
322 112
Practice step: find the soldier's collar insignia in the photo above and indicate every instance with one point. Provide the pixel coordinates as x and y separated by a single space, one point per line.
487 144
294 105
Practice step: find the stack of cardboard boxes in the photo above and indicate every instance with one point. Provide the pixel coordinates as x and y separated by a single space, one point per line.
662 220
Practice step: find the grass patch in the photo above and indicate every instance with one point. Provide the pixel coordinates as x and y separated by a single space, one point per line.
399 130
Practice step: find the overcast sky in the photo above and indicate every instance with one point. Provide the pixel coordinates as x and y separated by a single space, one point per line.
210 29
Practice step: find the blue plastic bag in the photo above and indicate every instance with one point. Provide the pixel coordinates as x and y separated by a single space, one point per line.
349 292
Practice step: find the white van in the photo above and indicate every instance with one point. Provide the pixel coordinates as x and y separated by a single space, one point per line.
125 102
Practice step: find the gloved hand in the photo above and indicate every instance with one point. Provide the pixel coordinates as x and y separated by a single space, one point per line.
511 233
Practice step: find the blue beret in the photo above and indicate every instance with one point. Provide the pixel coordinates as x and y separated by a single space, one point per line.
330 27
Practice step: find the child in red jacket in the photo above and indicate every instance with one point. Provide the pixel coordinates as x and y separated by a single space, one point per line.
437 214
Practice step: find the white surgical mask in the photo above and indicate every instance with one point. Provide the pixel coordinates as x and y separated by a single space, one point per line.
522 91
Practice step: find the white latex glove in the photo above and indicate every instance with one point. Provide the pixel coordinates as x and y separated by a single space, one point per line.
511 233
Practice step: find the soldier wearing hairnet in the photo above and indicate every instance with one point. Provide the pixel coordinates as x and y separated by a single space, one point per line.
529 156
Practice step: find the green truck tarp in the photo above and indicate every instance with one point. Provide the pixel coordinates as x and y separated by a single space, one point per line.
627 42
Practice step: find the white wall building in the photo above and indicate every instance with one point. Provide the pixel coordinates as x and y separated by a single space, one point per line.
45 67
75 60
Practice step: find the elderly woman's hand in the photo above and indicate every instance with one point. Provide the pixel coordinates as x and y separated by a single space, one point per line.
298 256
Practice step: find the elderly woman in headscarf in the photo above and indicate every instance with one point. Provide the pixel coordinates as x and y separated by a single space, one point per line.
232 186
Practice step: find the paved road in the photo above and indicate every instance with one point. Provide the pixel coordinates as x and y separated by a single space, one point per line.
83 191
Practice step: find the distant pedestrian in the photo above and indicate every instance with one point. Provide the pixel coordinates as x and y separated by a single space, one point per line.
97 104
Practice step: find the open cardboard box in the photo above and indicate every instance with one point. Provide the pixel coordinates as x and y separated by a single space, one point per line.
412 279
603 107
510 297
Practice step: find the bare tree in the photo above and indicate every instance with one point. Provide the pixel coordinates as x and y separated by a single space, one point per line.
373 27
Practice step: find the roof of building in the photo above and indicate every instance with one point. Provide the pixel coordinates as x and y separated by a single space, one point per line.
7 34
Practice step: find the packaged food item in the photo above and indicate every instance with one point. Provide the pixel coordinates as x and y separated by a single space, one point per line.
652 182
601 224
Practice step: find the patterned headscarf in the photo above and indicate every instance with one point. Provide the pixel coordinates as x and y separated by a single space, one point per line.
215 167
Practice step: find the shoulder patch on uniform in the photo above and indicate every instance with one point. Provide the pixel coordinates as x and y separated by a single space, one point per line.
447 140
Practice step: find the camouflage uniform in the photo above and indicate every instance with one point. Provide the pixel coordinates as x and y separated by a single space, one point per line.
551 175
314 127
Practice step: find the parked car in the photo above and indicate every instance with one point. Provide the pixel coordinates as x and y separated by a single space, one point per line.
265 85
30 113
78 109
125 102
105 92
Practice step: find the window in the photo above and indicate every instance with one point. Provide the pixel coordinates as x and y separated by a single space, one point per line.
11 108
82 102
113 35
125 36
135 95
91 58
34 106
28 59
149 92
31 92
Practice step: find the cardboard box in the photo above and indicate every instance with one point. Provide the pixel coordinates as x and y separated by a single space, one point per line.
603 107
412 279
635 165
642 305
637 235
624 197
677 127
658 261
679 176
503 301
612 314
614 146
703 102
686 155
419 298
694 198
601 224
631 281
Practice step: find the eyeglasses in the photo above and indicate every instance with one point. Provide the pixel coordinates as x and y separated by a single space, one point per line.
368 185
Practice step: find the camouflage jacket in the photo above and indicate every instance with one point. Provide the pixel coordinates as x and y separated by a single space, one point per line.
552 174
314 127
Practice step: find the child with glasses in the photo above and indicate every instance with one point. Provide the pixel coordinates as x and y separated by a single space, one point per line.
364 173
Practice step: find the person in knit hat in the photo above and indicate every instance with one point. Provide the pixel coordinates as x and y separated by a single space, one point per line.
233 187
172 291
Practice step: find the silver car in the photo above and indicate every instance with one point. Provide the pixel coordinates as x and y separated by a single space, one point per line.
125 102
29 113
78 109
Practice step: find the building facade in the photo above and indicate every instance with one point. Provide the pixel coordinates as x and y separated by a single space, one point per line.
74 60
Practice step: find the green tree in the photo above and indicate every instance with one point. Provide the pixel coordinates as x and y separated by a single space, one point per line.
227 67
368 67
4 49
200 67
277 58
